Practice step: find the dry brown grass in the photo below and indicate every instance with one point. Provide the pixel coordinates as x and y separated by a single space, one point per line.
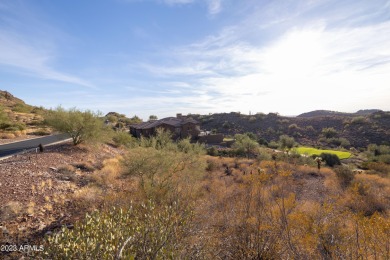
11 210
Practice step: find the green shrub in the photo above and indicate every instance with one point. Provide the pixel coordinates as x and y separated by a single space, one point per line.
138 232
330 159
286 141
22 108
186 146
122 139
344 175
273 145
81 126
212 151
329 132
358 120
12 127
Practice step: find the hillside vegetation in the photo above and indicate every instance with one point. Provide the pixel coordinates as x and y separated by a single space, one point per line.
329 130
18 119
155 198
168 200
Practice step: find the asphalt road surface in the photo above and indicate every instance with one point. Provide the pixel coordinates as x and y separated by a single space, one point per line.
14 148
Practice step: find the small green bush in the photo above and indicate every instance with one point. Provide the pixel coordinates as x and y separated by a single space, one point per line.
330 159
138 232
122 139
329 132
344 175
22 108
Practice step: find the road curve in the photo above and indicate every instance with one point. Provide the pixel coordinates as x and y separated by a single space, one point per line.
14 148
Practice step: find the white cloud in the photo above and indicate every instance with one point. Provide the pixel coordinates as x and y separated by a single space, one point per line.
174 2
306 68
34 60
30 49
214 6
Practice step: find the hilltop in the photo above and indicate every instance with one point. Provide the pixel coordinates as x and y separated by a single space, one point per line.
18 119
357 129
316 128
174 201
362 112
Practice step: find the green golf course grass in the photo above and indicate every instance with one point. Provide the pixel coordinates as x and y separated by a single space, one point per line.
310 151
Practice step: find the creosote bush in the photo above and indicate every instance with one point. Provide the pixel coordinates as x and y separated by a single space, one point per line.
172 202
144 231
82 126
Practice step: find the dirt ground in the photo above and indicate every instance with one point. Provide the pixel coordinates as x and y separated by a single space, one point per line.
35 189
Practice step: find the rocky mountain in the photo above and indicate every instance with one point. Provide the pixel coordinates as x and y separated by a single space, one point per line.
357 130
335 113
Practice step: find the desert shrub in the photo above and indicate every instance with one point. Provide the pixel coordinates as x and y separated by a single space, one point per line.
273 145
213 151
66 173
226 125
244 145
263 154
330 159
358 120
11 127
143 231
385 158
262 141
3 116
84 166
158 172
293 127
360 199
310 128
11 210
122 139
7 135
329 132
22 108
66 169
211 165
82 126
185 146
344 175
338 141
40 132
161 141
286 141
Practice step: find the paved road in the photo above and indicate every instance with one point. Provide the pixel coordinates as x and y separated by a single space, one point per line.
13 148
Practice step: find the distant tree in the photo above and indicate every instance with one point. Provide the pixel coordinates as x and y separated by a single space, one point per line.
329 132
3 116
226 125
82 126
135 120
112 119
245 145
262 141
330 159
251 135
286 141
152 117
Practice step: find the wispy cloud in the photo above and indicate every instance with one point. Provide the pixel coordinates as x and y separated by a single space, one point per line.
173 2
237 74
30 52
214 6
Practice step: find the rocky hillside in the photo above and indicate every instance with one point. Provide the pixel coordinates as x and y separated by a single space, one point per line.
357 130
18 118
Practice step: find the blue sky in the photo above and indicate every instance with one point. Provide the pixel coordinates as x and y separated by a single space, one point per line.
162 57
